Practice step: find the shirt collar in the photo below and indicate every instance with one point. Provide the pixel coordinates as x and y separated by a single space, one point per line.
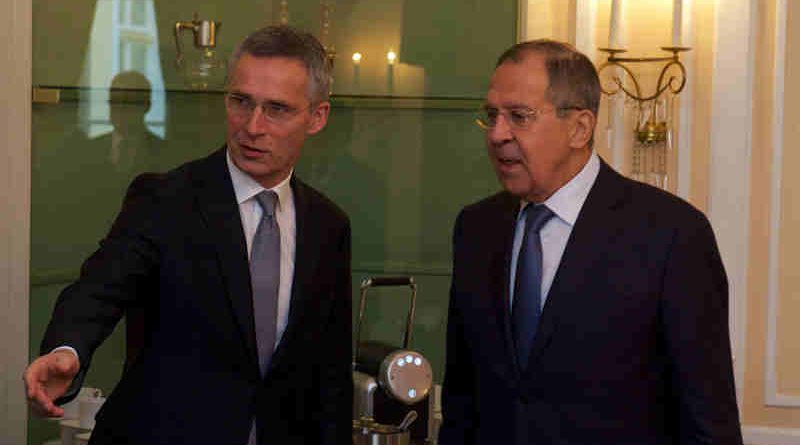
567 201
246 187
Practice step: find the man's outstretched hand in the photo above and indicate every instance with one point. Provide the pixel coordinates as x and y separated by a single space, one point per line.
47 379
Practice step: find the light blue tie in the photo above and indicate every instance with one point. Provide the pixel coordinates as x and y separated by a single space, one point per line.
527 306
265 274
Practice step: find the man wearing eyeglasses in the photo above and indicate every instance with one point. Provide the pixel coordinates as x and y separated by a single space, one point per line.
585 308
243 271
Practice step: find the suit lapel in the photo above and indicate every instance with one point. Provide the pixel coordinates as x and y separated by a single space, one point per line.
499 273
217 202
594 232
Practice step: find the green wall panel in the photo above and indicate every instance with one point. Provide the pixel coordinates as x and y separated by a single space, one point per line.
78 181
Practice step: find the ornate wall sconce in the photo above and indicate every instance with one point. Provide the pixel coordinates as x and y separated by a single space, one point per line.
653 124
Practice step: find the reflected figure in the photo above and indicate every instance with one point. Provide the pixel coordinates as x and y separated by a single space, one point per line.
131 146
79 181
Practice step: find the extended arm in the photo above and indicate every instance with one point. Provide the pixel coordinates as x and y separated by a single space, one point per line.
111 279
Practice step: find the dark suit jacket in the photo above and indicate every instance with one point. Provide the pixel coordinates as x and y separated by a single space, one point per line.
632 347
178 250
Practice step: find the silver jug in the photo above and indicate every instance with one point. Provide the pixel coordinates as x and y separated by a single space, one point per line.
203 68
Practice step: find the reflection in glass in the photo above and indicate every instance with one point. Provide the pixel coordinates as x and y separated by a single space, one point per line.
124 37
132 147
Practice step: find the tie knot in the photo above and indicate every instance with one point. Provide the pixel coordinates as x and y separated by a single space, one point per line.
267 199
537 216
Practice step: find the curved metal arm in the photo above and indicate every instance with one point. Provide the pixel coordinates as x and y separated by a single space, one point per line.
661 86
620 84
179 27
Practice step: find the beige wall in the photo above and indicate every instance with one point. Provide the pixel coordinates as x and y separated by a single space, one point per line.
788 332
15 51
703 29
772 397
762 254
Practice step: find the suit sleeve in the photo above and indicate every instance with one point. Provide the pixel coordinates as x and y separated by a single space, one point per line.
335 370
695 323
110 280
458 397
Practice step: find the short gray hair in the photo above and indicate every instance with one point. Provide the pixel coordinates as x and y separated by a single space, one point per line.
571 76
285 41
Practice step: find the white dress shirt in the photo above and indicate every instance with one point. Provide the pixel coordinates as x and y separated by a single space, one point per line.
246 188
566 204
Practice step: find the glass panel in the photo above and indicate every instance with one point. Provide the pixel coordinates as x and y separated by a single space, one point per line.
400 153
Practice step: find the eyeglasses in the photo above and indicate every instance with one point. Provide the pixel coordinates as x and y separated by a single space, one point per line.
242 106
516 118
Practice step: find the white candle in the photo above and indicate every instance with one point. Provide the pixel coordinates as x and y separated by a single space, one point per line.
677 21
613 28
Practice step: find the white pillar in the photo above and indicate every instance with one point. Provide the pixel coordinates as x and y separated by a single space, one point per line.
731 139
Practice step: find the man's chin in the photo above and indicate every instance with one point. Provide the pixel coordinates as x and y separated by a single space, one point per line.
514 185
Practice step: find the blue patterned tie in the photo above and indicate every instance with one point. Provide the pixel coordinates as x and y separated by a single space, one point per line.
527 306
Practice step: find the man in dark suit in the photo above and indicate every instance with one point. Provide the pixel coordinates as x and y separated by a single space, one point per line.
585 308
206 257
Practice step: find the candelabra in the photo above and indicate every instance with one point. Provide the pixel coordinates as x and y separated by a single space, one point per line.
326 9
653 123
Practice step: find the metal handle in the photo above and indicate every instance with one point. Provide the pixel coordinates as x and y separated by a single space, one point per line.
381 282
387 281
410 417
204 31
179 27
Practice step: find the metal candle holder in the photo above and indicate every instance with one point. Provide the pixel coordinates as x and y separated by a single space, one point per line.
652 130
652 133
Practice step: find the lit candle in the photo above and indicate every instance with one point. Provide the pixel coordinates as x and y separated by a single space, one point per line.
613 28
356 58
677 21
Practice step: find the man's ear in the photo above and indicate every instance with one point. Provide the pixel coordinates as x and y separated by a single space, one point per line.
319 118
583 128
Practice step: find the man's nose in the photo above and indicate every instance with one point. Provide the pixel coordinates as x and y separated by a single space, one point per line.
500 132
256 122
